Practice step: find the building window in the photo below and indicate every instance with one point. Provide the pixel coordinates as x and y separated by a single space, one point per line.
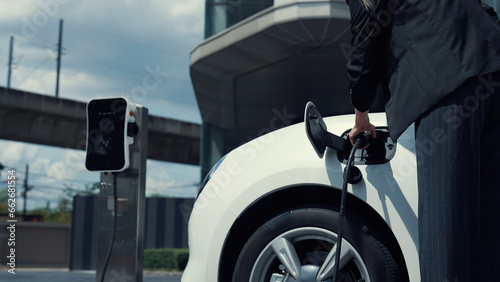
221 14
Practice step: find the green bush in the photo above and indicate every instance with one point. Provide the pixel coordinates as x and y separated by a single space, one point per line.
166 259
182 259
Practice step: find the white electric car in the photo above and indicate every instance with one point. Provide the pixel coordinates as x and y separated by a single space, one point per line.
269 212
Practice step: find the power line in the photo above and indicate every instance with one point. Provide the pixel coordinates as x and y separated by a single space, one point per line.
159 49
32 41
39 174
45 199
52 187
33 70
121 67
68 179
113 65
108 63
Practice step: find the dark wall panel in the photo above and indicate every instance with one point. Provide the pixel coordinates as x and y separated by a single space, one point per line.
165 227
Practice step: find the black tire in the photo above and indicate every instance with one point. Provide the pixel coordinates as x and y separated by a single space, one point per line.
312 233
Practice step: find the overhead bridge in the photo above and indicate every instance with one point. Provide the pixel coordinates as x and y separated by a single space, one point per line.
40 119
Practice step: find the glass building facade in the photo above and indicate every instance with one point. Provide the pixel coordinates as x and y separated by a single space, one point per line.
221 14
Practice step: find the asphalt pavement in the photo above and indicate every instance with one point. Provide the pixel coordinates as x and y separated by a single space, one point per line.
50 275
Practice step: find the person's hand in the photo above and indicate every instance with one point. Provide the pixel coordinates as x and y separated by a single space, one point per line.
362 124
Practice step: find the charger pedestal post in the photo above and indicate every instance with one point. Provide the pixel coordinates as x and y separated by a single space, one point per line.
126 260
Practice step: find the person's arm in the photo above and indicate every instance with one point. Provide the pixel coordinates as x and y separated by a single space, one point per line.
367 60
362 124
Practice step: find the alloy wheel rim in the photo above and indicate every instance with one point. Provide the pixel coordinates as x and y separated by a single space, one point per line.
302 253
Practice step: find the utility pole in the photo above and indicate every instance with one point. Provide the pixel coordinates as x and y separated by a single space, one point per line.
59 50
26 189
10 61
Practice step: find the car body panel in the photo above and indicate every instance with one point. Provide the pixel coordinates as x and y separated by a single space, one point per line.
285 158
208 227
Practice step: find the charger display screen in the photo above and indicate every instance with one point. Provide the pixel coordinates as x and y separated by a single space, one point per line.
106 134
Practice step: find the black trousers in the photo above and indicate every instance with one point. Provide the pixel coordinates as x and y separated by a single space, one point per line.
458 157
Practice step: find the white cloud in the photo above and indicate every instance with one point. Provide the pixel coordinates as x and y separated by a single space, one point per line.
157 180
115 41
108 46
39 166
173 180
187 16
147 21
13 10
34 69
16 155
12 152
83 85
31 153
38 81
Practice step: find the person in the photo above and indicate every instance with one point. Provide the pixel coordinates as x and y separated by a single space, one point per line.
495 4
437 64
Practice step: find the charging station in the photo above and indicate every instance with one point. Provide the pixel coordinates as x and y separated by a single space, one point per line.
117 137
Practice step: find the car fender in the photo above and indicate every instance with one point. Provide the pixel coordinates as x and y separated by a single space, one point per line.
285 158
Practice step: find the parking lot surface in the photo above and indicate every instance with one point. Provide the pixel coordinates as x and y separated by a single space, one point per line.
46 275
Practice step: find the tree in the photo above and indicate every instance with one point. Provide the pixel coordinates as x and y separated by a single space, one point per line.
4 196
63 212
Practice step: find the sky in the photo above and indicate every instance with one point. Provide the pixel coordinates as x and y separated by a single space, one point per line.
109 47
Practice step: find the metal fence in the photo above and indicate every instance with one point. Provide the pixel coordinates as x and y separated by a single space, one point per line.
165 227
74 246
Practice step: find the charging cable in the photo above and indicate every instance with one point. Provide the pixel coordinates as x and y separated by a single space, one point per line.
115 211
359 142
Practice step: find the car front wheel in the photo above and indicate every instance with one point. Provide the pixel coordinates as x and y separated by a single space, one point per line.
300 245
